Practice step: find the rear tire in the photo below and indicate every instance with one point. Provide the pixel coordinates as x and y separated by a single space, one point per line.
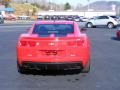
94 26
110 25
86 69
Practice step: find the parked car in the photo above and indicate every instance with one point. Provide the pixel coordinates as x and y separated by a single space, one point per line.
53 45
47 17
84 19
1 14
10 17
24 17
61 17
54 17
1 20
118 33
77 18
108 21
40 17
69 18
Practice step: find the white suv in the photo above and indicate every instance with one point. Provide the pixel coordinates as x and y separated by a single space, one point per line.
108 21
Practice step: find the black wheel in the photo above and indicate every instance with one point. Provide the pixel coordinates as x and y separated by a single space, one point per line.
21 69
94 26
86 69
89 25
110 25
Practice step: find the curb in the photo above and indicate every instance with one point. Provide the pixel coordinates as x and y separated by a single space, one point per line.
19 22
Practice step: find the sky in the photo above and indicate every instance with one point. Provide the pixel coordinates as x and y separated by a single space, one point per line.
75 2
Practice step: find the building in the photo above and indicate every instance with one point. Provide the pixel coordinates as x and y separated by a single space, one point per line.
87 14
5 11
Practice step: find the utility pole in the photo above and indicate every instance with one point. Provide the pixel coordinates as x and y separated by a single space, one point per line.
88 5
26 1
49 4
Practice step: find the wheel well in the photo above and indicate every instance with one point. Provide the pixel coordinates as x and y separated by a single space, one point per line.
110 22
89 22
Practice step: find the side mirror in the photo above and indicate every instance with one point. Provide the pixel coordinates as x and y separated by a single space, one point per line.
83 30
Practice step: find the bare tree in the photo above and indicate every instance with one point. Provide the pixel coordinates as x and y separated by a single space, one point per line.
5 2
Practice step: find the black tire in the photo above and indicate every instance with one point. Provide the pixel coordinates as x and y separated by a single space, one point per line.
21 69
94 26
89 25
86 69
110 25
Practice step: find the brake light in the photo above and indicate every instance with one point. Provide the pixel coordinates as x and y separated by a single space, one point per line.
71 43
80 43
31 44
118 34
23 43
28 43
77 43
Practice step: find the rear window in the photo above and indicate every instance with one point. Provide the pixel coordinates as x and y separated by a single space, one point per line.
59 30
114 17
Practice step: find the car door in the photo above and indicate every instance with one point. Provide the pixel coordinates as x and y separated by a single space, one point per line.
101 20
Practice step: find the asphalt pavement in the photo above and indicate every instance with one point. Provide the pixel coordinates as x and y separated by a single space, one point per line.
105 64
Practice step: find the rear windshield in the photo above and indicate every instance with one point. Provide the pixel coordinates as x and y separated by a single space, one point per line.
59 30
114 17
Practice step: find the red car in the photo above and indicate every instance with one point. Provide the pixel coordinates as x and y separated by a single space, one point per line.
118 33
53 45
10 17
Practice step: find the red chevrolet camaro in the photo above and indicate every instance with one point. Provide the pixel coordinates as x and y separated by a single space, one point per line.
53 45
118 33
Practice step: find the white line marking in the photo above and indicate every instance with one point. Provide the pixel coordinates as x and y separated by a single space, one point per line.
14 26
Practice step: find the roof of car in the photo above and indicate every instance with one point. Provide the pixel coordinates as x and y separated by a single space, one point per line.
54 22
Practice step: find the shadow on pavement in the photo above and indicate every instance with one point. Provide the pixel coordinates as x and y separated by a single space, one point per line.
115 38
52 72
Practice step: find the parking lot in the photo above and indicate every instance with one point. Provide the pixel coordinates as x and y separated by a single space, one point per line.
104 74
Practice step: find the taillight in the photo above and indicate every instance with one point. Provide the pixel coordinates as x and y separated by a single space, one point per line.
27 43
31 44
118 33
23 43
71 43
76 43
80 43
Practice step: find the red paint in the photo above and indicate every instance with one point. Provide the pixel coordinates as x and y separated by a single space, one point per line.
72 48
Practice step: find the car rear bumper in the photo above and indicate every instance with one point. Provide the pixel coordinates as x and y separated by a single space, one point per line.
118 34
52 66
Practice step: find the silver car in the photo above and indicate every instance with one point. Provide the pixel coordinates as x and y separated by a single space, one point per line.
108 21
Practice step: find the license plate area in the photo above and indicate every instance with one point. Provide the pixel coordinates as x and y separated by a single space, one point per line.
52 52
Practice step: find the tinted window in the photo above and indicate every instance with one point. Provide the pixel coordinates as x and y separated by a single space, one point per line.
40 16
76 17
114 17
59 30
103 17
